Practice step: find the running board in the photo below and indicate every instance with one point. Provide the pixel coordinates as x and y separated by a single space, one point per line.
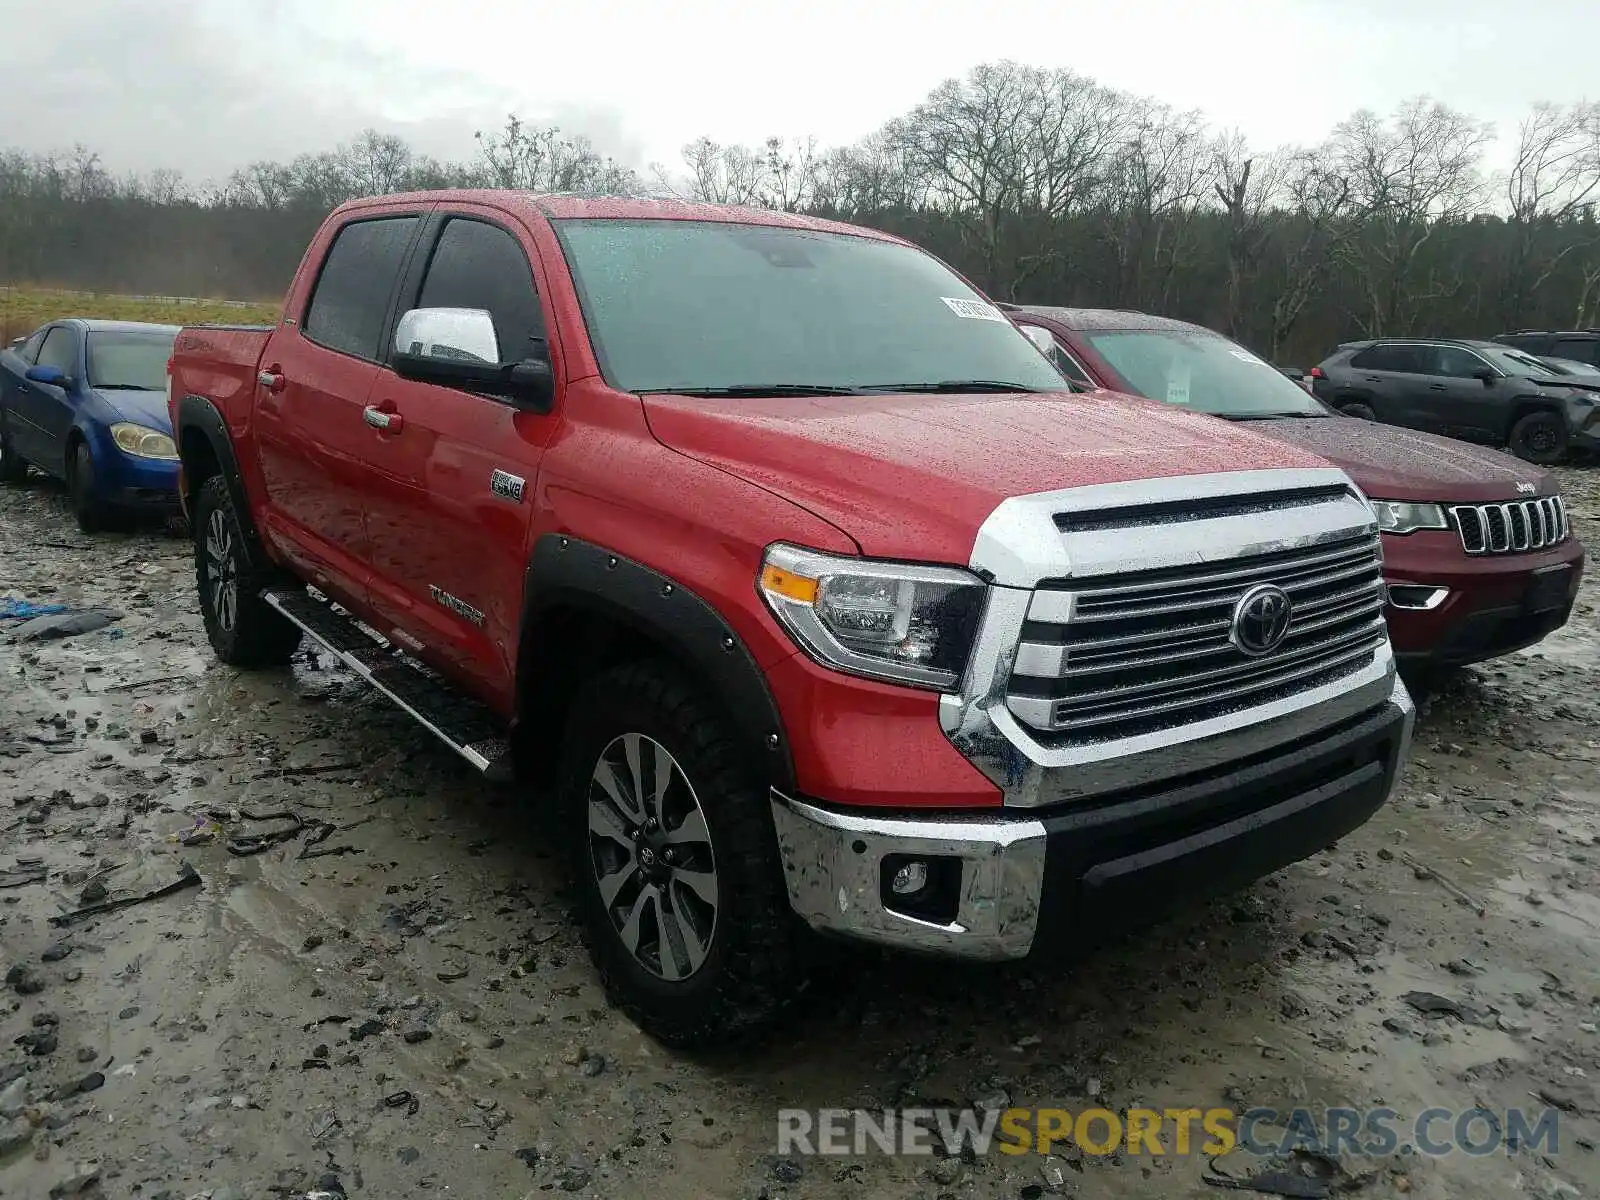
467 727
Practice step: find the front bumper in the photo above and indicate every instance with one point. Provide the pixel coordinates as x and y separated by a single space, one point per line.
129 481
1016 883
1494 604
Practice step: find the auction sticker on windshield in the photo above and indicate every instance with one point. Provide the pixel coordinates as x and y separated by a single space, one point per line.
975 310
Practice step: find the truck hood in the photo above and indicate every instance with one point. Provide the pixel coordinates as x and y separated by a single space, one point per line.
1390 463
142 407
913 477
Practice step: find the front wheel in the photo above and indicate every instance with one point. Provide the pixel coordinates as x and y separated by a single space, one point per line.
682 894
1540 437
244 629
92 513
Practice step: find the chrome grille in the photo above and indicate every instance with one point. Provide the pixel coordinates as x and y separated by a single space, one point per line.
1510 528
1115 656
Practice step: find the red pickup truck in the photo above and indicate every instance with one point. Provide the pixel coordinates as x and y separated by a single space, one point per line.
792 568
1478 552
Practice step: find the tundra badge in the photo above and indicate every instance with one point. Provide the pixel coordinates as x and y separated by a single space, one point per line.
456 605
507 486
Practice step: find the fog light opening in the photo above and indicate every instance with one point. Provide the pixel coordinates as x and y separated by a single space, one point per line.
926 887
1416 596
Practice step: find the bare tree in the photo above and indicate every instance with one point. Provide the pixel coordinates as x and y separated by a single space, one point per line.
719 174
541 159
1408 178
1311 235
791 172
1159 178
1556 177
1250 188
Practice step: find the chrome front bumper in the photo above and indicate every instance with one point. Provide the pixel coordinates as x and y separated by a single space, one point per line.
1089 865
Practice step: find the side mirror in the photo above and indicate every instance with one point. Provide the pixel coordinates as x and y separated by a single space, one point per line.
1487 374
1042 339
457 347
51 376
17 341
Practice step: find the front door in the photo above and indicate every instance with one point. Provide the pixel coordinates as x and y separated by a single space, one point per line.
47 411
1464 406
311 393
452 488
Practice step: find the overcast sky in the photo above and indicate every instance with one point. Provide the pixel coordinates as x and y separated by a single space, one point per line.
207 85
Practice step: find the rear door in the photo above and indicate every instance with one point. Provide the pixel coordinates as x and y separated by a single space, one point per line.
1389 376
452 490
316 372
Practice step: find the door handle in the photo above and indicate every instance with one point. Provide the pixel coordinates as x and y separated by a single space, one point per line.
1374 378
1437 387
272 380
389 422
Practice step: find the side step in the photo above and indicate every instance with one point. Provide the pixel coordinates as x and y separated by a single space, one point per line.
467 727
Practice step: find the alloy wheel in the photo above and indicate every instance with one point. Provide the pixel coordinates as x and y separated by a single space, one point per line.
651 854
222 571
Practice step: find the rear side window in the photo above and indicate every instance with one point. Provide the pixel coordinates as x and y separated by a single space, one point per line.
1583 349
1068 365
351 301
1410 360
478 265
28 352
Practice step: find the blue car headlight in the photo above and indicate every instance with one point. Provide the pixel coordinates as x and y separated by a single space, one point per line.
143 442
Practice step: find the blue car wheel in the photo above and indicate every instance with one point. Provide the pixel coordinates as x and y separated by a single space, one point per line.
91 511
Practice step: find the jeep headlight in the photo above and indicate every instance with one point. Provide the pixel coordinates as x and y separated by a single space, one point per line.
882 620
142 442
1406 516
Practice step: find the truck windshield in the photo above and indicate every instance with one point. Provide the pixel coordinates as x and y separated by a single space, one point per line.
725 308
1203 371
130 360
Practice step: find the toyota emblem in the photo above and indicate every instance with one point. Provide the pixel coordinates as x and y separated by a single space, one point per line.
1261 619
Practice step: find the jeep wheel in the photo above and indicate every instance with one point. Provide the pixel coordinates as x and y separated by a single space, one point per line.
1357 409
244 629
683 899
1540 437
13 467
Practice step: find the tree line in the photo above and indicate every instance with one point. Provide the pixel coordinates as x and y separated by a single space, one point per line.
1041 185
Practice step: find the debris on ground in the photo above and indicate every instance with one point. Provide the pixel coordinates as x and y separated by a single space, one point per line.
62 625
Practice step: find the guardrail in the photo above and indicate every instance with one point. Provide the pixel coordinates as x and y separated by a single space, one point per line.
6 287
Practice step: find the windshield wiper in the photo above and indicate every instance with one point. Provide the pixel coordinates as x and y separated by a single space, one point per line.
953 387
1266 416
758 389
124 387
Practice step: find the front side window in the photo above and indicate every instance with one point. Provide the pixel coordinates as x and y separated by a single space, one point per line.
1517 362
1455 362
693 306
60 349
130 361
478 265
1203 371
351 301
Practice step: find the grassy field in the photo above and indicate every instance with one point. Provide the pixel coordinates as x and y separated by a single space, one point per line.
24 307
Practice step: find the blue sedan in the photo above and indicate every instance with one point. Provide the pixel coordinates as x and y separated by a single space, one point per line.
86 401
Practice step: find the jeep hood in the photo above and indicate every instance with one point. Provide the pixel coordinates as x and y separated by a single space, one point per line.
913 477
1390 463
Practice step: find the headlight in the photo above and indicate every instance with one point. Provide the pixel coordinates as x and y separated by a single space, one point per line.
143 441
882 620
1404 516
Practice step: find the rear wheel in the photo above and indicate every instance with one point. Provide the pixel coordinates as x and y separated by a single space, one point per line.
13 467
683 899
93 514
1355 408
230 573
1540 437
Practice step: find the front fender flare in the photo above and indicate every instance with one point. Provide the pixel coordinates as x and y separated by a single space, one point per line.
199 415
565 571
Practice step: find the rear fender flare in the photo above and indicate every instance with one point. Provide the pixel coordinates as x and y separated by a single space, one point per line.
564 571
197 415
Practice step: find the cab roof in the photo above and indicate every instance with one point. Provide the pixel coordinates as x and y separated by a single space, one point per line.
569 206
1101 318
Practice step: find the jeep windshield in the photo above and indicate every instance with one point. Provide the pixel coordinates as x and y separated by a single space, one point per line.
734 310
1203 371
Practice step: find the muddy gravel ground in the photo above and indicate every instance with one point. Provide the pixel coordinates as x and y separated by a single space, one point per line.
394 1001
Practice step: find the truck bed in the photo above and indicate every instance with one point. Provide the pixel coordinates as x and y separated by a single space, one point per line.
218 362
